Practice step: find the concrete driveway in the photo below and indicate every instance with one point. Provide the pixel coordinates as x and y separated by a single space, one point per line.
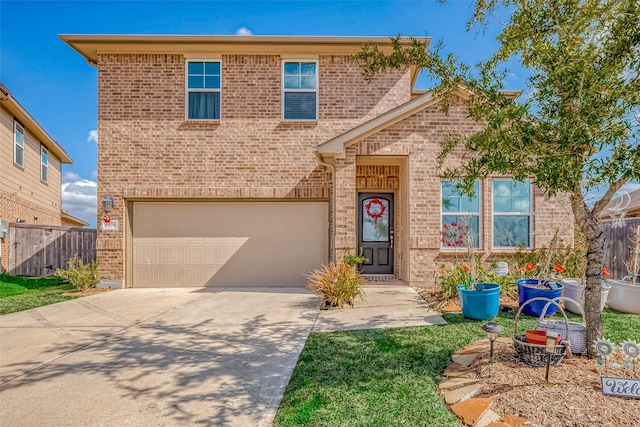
153 357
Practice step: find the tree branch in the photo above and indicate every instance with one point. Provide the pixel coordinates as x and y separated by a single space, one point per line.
604 201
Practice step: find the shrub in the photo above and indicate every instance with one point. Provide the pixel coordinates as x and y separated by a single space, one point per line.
354 260
81 276
337 283
449 278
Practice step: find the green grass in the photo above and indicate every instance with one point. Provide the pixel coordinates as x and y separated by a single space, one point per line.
19 293
389 376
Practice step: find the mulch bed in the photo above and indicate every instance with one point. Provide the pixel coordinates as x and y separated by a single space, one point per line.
573 396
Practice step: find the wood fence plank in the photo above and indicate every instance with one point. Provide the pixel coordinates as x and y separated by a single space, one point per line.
36 250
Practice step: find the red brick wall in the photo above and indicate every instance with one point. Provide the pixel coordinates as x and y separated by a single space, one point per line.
148 150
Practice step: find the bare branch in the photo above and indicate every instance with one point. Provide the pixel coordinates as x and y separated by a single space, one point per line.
604 201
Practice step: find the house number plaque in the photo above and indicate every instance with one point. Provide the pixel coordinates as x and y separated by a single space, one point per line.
621 387
110 226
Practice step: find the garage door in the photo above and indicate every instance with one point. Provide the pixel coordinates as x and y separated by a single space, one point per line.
227 243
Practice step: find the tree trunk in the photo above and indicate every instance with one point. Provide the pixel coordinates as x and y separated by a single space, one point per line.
595 241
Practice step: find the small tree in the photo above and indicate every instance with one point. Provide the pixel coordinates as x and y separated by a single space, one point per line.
576 130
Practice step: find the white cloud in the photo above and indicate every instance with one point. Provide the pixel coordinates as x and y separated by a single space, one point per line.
94 174
70 176
79 198
244 31
93 136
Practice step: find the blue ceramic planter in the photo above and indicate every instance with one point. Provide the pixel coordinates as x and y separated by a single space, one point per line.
525 293
480 304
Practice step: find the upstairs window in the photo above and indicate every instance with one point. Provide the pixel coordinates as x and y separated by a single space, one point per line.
458 212
203 90
300 91
18 144
44 163
512 218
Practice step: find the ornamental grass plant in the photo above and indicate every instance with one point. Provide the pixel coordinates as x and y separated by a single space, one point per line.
338 283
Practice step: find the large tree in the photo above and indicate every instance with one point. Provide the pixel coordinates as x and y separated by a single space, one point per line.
575 131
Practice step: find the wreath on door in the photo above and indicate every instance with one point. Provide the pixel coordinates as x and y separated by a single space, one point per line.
375 209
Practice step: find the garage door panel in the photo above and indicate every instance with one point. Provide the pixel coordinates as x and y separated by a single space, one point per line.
218 243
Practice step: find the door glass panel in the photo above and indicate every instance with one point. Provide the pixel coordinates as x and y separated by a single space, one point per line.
375 220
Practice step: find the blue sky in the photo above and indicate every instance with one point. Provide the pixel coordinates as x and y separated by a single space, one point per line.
59 89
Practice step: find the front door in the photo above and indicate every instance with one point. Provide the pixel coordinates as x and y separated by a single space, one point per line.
375 232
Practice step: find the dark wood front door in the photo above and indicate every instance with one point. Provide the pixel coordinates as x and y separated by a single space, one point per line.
375 232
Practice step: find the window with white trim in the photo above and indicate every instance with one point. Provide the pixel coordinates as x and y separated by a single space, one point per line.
300 90
44 163
18 144
512 213
203 90
459 212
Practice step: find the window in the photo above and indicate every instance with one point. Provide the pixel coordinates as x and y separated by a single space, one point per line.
18 144
511 214
300 90
44 160
459 210
203 90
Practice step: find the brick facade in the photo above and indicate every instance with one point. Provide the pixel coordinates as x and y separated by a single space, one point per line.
149 151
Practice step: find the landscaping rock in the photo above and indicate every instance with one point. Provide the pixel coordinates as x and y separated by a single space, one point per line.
453 383
487 418
456 370
460 394
471 410
464 359
513 421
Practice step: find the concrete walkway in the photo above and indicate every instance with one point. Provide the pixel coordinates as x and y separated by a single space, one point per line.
165 357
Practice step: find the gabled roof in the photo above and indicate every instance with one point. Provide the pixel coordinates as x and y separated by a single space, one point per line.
425 98
10 103
336 147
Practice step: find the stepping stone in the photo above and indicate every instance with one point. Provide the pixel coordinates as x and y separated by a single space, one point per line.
489 417
464 359
476 347
471 410
456 370
498 424
513 421
452 383
459 394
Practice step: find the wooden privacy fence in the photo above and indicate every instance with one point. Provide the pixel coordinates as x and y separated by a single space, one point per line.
37 250
617 245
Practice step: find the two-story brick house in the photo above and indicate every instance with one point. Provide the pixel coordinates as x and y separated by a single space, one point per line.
251 160
30 170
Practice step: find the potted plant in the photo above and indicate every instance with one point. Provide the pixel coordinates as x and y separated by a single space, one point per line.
543 284
624 295
479 301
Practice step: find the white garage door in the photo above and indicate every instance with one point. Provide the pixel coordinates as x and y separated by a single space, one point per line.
227 243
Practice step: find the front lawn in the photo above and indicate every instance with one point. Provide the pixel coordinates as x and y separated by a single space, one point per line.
389 377
19 293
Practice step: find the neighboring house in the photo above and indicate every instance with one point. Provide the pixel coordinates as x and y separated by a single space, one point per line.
72 221
30 171
625 206
252 160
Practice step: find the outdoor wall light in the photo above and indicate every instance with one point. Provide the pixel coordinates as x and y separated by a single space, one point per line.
492 330
550 348
108 203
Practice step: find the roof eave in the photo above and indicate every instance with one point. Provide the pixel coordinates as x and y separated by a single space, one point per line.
15 108
90 45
